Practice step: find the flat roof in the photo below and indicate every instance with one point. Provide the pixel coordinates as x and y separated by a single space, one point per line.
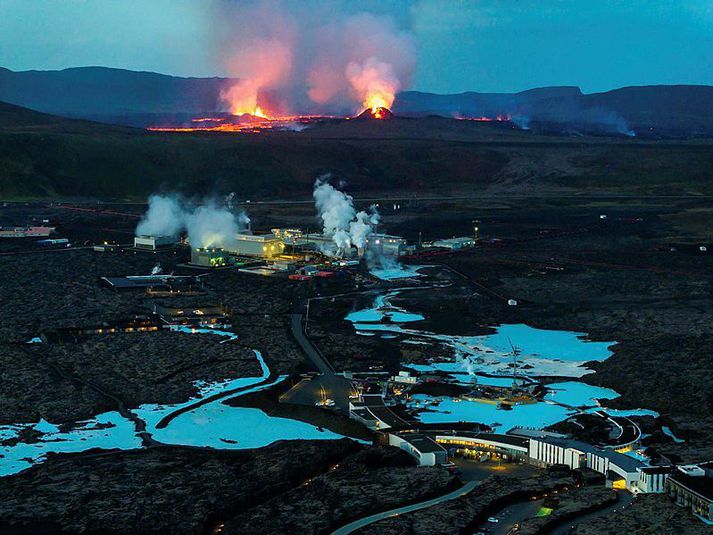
701 485
387 416
455 240
493 437
364 413
257 237
422 443
145 281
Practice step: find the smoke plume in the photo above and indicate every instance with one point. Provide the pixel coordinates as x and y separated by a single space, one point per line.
364 60
208 224
257 41
278 52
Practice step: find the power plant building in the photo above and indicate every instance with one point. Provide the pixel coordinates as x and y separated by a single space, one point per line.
152 243
386 244
455 243
211 257
258 245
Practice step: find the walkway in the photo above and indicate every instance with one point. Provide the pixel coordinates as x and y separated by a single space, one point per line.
358 524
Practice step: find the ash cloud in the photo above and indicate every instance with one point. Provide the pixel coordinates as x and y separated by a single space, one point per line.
208 223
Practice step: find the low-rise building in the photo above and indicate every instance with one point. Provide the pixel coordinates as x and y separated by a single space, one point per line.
153 243
508 447
210 257
422 447
691 486
653 478
405 378
621 471
385 244
455 243
258 245
370 410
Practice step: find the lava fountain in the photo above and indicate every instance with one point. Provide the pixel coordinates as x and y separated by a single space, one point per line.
375 83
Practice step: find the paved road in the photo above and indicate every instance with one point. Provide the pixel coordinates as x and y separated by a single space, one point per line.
334 386
358 524
314 354
272 377
623 500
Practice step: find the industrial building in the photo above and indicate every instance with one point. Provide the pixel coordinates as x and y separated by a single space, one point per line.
26 232
258 245
153 243
156 282
386 244
455 243
323 244
211 257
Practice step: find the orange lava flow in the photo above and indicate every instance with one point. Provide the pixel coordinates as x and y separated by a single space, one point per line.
377 102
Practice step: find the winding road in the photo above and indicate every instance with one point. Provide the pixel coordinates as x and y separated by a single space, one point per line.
358 524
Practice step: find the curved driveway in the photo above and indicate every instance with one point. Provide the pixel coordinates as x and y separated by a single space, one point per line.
358 524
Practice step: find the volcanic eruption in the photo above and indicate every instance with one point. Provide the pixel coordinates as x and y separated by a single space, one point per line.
287 74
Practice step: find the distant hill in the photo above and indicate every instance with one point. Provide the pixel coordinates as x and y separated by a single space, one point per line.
47 157
97 91
472 104
658 111
143 99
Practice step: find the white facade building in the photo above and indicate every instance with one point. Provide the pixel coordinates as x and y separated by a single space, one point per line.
621 471
423 448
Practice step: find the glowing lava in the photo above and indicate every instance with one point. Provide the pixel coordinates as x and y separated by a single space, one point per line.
380 112
258 112
375 83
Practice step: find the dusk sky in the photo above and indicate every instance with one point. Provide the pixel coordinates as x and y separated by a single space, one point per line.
487 45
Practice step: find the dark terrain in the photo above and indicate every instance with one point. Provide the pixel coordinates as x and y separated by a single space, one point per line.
47 157
637 277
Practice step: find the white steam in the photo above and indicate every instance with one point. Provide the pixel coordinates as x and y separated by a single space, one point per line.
335 209
163 218
208 224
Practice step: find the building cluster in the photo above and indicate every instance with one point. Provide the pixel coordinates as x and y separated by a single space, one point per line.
690 486
282 244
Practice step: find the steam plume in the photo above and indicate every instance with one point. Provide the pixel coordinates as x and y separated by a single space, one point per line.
207 224
339 219
213 226
163 218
